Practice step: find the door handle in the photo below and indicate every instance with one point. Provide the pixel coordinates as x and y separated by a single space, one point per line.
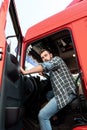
1 52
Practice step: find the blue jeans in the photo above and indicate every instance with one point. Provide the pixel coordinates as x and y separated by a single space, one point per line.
49 95
47 112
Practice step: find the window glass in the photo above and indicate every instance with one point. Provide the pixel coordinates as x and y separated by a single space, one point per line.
11 36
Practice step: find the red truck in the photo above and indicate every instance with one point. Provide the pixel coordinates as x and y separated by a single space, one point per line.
21 97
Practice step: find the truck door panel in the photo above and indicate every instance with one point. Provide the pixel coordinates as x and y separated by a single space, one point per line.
12 92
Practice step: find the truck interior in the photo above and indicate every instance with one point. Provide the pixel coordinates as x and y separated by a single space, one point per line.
60 44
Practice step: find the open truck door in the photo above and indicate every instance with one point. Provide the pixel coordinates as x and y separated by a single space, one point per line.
10 79
3 45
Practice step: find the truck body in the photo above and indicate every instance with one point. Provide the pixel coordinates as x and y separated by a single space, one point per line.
21 97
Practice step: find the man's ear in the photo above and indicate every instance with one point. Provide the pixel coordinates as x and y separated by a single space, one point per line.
51 55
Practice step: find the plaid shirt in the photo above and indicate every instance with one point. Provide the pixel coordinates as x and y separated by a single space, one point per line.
61 80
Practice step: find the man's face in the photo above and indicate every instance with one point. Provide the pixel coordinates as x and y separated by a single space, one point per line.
46 56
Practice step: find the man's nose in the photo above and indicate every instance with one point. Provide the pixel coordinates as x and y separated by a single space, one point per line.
44 59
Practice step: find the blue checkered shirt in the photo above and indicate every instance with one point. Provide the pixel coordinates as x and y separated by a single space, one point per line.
61 79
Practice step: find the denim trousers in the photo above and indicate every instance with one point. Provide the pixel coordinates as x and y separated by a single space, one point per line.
46 113
49 110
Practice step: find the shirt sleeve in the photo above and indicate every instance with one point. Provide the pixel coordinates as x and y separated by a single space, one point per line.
51 65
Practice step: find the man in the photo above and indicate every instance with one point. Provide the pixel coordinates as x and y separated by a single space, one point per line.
62 84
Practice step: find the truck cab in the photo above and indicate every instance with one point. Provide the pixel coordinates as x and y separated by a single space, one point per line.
22 96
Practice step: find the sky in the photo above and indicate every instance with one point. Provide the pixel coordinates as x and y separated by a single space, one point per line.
34 11
31 12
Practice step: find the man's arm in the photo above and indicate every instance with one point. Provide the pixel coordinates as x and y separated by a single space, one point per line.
36 69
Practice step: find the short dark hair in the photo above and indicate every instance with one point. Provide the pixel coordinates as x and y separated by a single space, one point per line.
41 51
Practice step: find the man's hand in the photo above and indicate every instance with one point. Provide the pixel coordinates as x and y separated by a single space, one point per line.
36 69
22 70
41 73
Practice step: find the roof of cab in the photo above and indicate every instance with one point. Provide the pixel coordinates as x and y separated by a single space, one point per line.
60 19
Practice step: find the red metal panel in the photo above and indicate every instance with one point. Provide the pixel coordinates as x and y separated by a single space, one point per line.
80 128
74 2
3 12
58 20
79 33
